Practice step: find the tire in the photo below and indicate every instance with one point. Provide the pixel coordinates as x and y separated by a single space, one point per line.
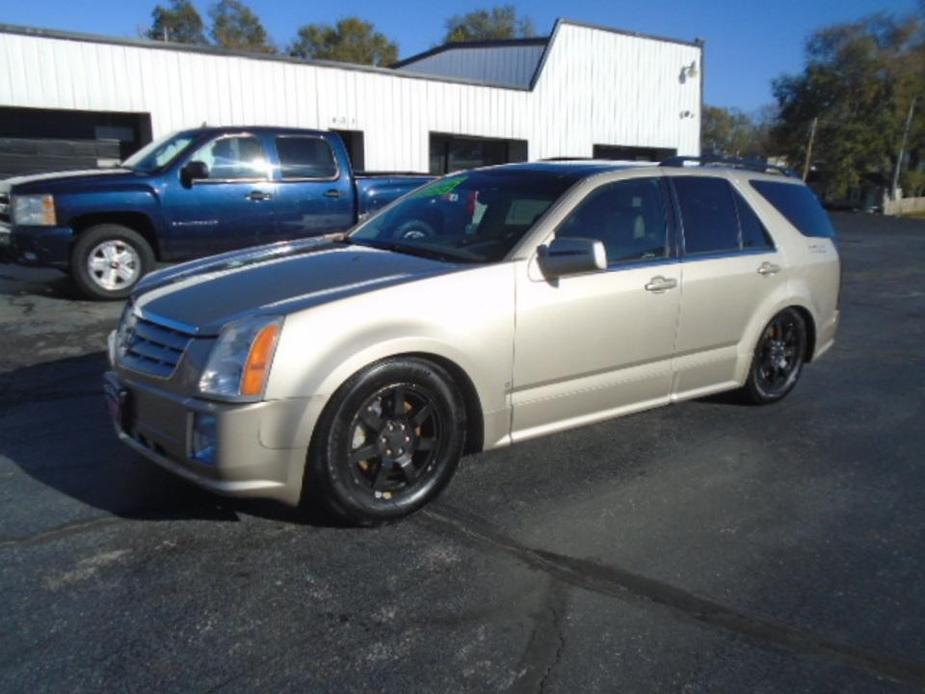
110 243
369 462
415 229
778 359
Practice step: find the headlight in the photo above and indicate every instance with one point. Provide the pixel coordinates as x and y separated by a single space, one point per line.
34 210
126 330
240 361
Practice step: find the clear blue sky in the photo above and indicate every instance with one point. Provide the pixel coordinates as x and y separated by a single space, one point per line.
748 42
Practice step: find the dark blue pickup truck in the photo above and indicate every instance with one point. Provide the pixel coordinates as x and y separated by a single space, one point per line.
191 194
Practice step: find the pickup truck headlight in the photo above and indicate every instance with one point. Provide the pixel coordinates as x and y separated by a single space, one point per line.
240 361
34 210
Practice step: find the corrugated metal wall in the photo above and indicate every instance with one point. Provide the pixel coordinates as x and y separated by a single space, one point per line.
512 66
595 87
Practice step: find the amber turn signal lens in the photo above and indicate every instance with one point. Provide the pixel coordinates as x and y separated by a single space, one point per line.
258 361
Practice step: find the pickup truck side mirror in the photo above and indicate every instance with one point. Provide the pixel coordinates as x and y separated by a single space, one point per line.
572 256
193 171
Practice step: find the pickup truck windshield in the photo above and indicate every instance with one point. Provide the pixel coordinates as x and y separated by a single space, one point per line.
474 217
158 153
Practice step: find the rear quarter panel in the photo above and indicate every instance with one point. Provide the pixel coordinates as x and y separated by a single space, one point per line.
813 275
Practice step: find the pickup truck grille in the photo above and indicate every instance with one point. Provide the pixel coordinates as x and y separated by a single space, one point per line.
151 348
4 208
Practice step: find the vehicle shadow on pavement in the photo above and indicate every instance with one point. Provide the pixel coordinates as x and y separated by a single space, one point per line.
55 428
50 284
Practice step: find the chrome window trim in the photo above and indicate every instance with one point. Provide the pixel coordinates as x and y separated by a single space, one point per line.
714 255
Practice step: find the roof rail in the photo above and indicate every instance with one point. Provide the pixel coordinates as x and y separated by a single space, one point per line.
732 163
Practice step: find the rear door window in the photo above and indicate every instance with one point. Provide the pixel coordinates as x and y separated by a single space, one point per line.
708 213
305 157
799 205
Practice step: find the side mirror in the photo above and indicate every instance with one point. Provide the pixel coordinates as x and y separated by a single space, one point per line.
572 256
193 171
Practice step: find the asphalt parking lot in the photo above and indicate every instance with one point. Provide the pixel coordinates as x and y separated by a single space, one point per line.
709 546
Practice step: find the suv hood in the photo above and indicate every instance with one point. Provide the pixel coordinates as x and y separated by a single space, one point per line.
200 297
47 181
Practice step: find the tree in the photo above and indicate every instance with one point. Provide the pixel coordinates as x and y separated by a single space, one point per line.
858 81
351 40
500 22
732 133
180 23
235 26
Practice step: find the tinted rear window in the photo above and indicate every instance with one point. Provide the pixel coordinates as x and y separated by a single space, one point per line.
799 205
305 157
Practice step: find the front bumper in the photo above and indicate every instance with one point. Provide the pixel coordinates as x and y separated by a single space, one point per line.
260 451
36 246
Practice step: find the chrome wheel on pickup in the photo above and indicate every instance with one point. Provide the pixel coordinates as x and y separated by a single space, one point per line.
388 442
114 265
108 260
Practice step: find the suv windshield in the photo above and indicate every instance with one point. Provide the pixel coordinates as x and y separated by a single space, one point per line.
158 153
475 217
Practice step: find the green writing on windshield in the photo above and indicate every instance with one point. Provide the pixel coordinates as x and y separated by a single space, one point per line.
433 190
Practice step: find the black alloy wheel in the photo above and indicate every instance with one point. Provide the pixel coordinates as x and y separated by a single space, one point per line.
394 442
778 359
388 441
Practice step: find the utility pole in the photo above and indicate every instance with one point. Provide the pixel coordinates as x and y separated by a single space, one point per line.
809 147
902 149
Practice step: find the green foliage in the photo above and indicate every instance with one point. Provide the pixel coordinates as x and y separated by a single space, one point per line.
180 23
351 40
235 26
858 81
913 183
732 133
500 22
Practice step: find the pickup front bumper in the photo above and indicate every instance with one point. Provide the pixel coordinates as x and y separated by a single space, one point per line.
36 246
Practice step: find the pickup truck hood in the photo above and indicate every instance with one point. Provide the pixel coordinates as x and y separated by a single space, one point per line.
47 180
202 296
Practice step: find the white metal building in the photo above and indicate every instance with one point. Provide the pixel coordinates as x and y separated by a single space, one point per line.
583 91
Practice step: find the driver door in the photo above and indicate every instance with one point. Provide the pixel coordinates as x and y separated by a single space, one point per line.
230 209
594 345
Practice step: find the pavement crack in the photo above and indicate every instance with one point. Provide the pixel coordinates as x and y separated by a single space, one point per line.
546 644
625 585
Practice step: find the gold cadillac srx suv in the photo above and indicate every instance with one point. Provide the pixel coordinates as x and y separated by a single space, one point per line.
486 308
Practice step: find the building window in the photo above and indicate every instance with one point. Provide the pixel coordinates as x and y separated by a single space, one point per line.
621 153
356 147
455 152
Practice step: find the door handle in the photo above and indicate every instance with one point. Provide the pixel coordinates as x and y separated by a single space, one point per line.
766 269
661 284
258 195
332 193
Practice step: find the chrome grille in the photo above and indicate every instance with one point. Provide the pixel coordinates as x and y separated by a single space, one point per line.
4 208
149 347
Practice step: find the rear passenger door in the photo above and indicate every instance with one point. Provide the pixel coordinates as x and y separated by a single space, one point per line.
314 190
729 266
